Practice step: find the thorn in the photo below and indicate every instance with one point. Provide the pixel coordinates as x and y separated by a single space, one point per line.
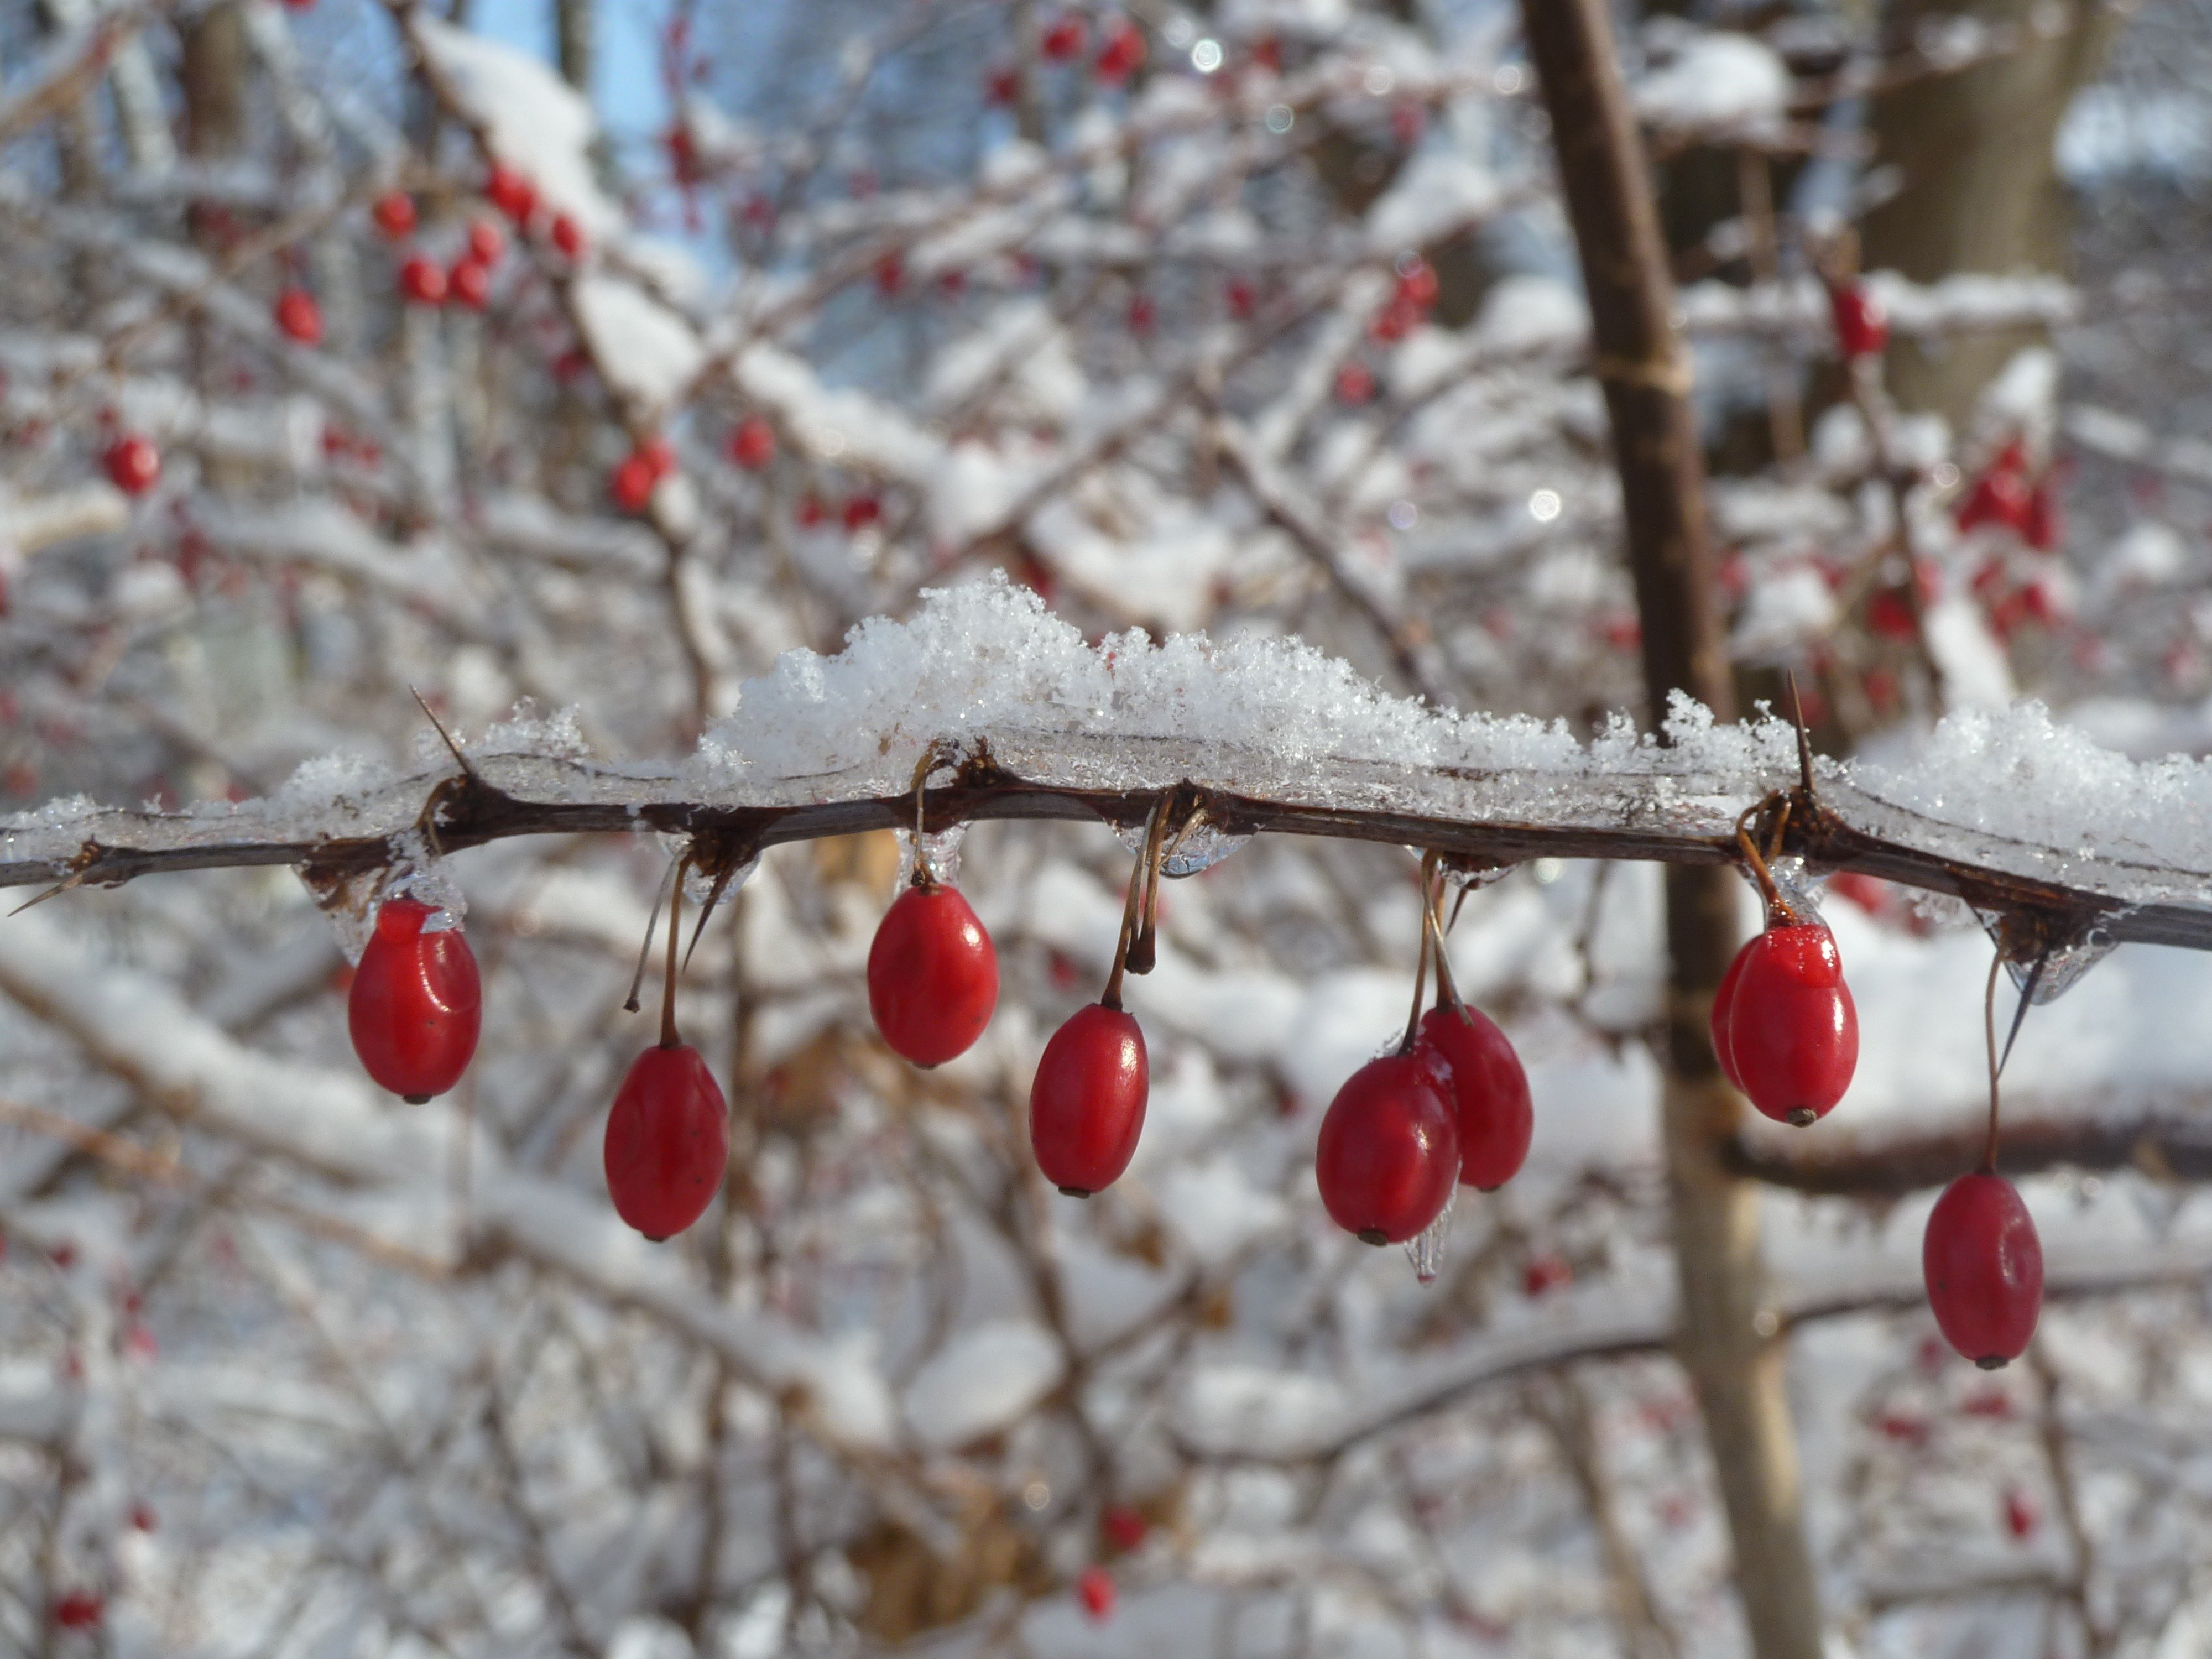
2026 996
714 897
459 759
1804 742
58 887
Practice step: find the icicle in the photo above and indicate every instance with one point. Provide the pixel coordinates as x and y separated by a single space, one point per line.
944 852
2065 965
1426 1250
1198 844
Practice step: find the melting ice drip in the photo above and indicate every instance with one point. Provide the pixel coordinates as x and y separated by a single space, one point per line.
944 852
2063 969
1426 1250
416 872
1199 846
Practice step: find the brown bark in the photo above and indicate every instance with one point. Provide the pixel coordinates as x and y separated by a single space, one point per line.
1735 1365
213 72
1979 190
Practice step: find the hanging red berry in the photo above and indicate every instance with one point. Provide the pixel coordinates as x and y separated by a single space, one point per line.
1418 285
1120 54
1355 384
1861 325
1984 1265
134 465
1791 1031
469 284
1486 1089
416 1005
422 282
1389 1152
80 1609
299 316
861 511
1096 1587
1087 1104
752 445
487 244
1003 86
2000 497
568 236
394 213
1125 1528
1063 40
1242 299
667 1142
511 193
631 485
933 975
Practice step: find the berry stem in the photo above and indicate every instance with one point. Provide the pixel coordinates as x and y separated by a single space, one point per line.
1421 967
1989 1032
939 753
1145 858
1447 987
1776 904
668 1037
645 949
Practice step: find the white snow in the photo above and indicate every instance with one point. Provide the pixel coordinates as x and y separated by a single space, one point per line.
1717 82
987 1376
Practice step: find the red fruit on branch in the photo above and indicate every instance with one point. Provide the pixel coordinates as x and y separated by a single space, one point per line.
487 244
660 454
752 445
1126 1528
1087 1104
511 193
862 511
2000 497
667 1142
1388 1153
422 282
1063 40
1003 86
1861 325
416 1004
1355 384
1983 1266
1120 54
2021 1514
1395 320
1242 299
1096 1587
933 976
80 1610
299 316
1486 1089
631 485
1790 1032
394 213
1418 285
134 465
468 283
1722 1026
568 236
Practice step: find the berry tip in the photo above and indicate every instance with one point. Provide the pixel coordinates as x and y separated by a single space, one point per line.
1993 1362
1077 1192
1372 1236
1803 1117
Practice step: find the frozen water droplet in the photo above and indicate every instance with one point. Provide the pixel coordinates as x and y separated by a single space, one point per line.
1468 876
1426 1250
1800 888
420 874
1199 846
2066 965
943 850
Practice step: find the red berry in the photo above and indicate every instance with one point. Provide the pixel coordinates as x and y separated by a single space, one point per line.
1792 1033
1096 1587
80 1610
1419 287
1126 1529
1388 1151
1861 326
511 193
1063 40
2000 497
134 465
1003 86
861 512
752 445
568 236
1543 1273
2020 1513
468 283
1242 299
422 282
1719 1021
1395 320
1355 384
487 244
416 1005
394 213
631 486
1120 54
810 512
141 1517
1487 1089
933 976
1087 1104
668 1142
1984 1265
659 455
2042 529
890 275
1142 315
299 316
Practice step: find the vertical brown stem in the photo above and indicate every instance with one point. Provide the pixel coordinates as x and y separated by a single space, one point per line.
1722 1341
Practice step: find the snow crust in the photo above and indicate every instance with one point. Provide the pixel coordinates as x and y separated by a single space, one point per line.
1719 80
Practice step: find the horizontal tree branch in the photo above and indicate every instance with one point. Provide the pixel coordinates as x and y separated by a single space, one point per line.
1651 808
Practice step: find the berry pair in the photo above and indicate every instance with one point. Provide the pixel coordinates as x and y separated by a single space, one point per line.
1451 1105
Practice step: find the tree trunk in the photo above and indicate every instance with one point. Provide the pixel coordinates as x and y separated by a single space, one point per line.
1979 186
213 72
572 27
1734 1365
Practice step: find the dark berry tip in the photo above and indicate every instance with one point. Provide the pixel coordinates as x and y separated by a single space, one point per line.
417 1100
1372 1236
1077 1192
1803 1117
1499 1187
1993 1361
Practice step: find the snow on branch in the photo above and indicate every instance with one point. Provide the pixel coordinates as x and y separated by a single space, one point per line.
2014 812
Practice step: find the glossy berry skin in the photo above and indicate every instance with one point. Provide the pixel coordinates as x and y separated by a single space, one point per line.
416 1005
422 282
1861 326
1792 1034
752 445
134 465
1389 1151
1983 1266
667 1143
299 316
511 193
933 976
1087 1104
1487 1089
1095 1587
394 213
1720 1024
468 283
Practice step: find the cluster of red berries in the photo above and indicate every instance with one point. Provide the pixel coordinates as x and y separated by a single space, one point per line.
2020 511
422 281
1120 54
639 473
